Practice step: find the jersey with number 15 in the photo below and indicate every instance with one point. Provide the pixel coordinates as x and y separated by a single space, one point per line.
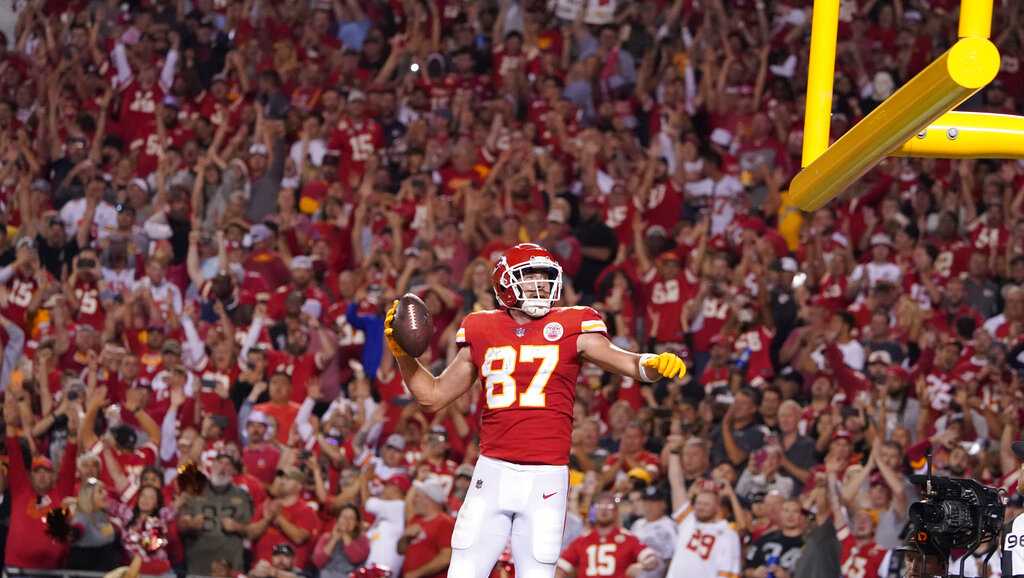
528 372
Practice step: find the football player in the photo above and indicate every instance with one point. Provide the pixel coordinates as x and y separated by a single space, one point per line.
527 355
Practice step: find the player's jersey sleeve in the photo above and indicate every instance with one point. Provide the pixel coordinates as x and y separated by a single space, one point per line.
462 335
590 321
728 556
570 557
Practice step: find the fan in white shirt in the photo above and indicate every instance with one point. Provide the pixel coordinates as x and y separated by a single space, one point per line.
165 294
880 268
104 217
707 545
389 522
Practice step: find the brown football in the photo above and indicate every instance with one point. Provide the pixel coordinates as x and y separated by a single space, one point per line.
412 325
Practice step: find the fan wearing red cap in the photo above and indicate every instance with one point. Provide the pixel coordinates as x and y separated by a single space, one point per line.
34 492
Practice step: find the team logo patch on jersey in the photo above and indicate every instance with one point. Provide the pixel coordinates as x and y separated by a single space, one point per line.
479 484
520 331
553 331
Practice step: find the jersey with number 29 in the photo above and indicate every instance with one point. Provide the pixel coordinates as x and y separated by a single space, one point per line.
528 372
710 549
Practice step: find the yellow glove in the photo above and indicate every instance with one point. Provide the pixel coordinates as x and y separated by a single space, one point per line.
393 345
666 364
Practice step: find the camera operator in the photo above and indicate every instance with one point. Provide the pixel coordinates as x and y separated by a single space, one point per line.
954 531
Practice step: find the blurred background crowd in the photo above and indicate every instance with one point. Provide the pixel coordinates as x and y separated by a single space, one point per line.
206 205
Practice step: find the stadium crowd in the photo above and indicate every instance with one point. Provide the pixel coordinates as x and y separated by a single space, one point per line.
207 205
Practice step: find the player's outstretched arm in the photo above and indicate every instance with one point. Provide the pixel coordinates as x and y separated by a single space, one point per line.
432 393
647 367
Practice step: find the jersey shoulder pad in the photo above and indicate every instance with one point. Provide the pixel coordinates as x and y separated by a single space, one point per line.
471 323
585 320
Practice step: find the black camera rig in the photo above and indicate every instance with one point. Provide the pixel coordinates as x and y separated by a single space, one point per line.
956 514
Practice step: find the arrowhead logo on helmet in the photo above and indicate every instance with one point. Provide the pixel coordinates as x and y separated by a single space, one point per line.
527 278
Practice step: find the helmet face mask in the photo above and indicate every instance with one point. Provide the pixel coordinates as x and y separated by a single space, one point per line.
528 279
536 290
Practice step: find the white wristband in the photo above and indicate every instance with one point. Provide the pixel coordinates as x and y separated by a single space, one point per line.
643 370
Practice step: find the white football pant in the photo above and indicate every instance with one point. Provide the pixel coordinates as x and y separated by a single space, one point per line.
526 503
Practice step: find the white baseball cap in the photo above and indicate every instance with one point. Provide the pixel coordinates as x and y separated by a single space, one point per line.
432 488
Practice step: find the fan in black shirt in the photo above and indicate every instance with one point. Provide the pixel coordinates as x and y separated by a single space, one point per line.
778 551
598 244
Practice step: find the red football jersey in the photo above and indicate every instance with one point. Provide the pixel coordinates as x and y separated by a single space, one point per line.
862 561
299 514
261 461
832 293
666 298
434 536
953 258
20 291
356 141
132 463
713 315
302 368
138 110
90 309
664 206
759 342
593 555
529 375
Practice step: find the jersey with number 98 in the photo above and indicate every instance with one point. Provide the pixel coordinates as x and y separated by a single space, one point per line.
529 375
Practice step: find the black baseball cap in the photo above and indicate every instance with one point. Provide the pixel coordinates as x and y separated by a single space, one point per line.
655 494
1018 449
283 550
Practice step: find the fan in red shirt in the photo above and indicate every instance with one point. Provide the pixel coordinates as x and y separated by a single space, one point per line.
82 291
22 279
508 58
286 519
216 104
861 556
298 362
280 407
33 493
260 455
631 455
663 203
302 283
356 138
467 82
754 343
954 253
426 542
712 316
435 456
124 461
716 373
607 550
459 173
667 288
